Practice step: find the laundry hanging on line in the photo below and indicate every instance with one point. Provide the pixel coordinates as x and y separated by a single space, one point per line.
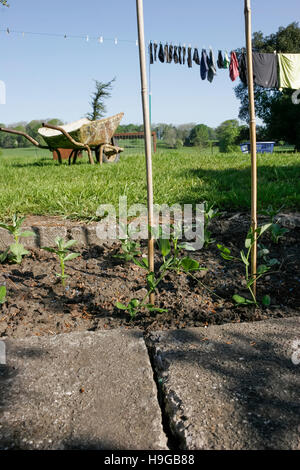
265 69
270 70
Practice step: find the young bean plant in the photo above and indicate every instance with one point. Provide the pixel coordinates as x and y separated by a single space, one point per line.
170 250
15 252
209 214
62 252
245 260
129 248
276 230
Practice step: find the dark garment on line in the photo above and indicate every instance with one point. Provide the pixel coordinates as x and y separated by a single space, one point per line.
265 69
161 53
151 53
175 56
170 53
155 51
203 65
243 67
196 57
212 71
189 57
220 60
183 54
180 54
166 52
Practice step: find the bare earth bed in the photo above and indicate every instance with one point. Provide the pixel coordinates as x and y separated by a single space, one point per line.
38 305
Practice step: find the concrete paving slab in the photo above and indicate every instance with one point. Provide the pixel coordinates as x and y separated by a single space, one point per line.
86 390
232 387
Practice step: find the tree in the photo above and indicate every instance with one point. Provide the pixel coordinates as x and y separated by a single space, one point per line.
228 133
97 99
275 108
200 135
4 2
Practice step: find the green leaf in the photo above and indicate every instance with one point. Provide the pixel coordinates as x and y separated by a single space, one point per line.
2 294
266 300
70 243
164 246
27 233
152 308
48 248
188 264
242 300
249 240
223 249
121 306
71 256
18 250
142 264
134 303
151 280
262 229
186 246
262 269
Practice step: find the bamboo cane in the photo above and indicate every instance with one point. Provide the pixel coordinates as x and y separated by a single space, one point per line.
147 131
248 29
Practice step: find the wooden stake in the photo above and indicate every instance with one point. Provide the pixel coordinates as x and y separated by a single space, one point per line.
147 131
248 28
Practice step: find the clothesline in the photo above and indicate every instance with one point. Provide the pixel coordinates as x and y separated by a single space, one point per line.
90 37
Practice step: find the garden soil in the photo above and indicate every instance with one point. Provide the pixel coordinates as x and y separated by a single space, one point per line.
37 303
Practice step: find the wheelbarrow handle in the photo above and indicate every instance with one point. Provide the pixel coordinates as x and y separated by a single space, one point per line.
23 134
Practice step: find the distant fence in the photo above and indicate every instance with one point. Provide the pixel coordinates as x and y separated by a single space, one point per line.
134 136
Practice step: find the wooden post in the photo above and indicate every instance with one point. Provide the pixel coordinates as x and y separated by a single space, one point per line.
147 131
248 27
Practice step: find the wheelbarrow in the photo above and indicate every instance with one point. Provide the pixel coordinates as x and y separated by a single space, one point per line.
80 135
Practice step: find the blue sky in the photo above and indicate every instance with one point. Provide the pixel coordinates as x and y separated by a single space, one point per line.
53 77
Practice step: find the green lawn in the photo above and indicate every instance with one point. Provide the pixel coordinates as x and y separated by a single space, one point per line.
32 183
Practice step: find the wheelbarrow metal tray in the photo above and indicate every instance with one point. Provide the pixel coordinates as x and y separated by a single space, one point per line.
84 131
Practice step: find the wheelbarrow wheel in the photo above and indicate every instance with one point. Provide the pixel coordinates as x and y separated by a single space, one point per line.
111 158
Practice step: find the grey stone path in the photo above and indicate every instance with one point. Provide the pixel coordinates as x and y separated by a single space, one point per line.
234 386
79 390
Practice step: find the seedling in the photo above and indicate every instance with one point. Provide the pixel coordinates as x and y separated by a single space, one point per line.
244 258
170 250
129 249
62 252
15 252
135 305
2 294
263 253
276 230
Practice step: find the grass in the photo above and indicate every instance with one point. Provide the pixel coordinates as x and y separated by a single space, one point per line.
32 183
